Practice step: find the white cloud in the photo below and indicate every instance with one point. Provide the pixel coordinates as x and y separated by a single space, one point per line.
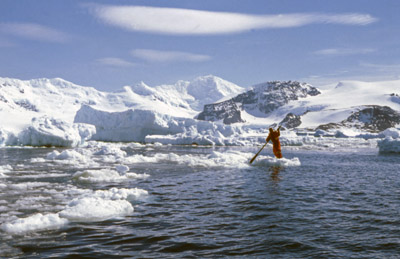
168 56
115 62
343 51
33 31
382 67
194 22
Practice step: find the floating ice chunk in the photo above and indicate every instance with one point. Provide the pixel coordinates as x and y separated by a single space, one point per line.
122 169
110 150
35 222
268 160
228 159
27 185
105 175
135 145
143 159
38 160
123 193
53 155
5 169
96 209
70 157
86 131
150 126
391 132
65 155
7 138
136 176
389 145
216 159
46 131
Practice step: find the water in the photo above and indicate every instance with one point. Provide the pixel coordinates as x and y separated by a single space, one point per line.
337 203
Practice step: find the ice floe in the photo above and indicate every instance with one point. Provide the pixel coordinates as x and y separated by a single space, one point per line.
36 222
96 209
47 131
391 142
105 175
272 161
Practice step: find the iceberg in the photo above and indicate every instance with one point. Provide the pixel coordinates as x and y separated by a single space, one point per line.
151 127
47 131
391 142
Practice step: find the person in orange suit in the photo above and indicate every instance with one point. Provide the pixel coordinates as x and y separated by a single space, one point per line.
276 144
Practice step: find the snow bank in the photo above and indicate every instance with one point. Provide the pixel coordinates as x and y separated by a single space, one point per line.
151 126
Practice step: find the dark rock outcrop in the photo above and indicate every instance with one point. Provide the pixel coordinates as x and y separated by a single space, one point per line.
261 99
226 111
372 118
291 121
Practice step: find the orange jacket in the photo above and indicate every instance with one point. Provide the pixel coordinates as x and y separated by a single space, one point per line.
276 144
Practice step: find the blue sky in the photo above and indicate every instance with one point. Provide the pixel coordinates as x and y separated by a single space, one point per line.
109 44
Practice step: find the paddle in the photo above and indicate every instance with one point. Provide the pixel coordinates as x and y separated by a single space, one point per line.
251 161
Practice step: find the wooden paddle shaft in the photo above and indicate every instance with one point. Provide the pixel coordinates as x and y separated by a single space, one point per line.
251 161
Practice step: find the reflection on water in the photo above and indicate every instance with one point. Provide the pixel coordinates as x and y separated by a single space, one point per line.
275 170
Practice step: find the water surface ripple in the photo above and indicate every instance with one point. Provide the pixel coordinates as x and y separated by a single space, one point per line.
335 204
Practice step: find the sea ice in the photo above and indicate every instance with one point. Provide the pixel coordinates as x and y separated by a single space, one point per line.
96 209
105 175
47 131
122 193
122 169
391 143
34 223
272 161
5 169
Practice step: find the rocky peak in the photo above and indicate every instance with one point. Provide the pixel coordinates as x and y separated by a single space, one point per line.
269 96
372 118
263 98
226 111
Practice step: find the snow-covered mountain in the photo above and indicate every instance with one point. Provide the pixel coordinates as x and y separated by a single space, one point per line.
20 100
190 95
206 110
56 102
357 106
259 101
